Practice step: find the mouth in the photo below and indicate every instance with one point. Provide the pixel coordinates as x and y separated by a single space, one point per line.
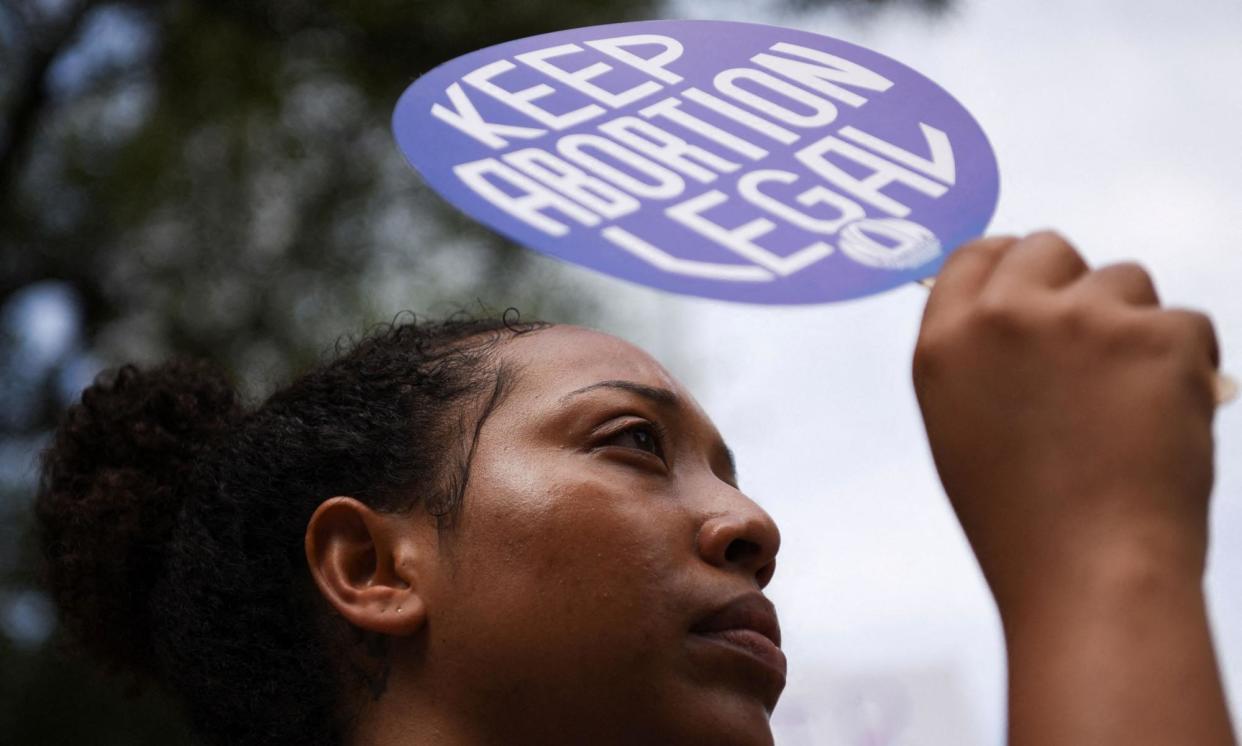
746 626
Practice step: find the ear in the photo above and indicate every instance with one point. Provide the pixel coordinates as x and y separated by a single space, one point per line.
368 565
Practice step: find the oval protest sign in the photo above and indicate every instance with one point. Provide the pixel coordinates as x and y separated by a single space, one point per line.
725 160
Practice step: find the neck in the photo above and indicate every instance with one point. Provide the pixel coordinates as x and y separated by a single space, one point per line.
409 715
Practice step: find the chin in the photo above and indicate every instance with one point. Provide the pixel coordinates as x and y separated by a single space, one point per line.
724 735
728 720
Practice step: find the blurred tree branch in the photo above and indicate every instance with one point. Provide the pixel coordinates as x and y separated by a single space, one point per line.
217 178
30 94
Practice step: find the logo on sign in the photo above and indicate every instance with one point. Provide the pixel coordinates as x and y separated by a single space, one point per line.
725 160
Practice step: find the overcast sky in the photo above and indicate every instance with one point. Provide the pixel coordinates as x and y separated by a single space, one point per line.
1115 122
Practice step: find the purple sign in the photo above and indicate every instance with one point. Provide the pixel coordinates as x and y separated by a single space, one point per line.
725 160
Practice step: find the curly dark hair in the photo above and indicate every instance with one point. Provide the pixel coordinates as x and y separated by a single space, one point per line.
172 518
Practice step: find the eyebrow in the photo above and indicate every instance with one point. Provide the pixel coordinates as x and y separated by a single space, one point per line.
660 396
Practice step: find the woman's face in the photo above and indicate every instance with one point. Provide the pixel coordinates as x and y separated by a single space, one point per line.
602 581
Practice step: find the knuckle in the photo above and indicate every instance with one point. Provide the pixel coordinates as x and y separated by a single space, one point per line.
1052 238
1006 319
938 349
1134 270
1185 323
991 244
996 314
980 247
1128 332
1199 383
1185 335
1054 242
1200 334
1046 234
1073 317
1138 277
1201 323
929 352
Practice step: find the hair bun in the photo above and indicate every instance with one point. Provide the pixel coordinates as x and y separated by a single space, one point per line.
112 485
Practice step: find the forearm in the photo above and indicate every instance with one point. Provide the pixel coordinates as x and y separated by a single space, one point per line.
1070 417
1121 656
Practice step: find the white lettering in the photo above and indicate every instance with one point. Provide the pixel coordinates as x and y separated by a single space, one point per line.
670 109
912 245
573 182
823 111
466 118
666 184
940 165
741 116
580 79
742 238
527 205
653 66
662 260
521 100
848 210
867 189
819 78
667 148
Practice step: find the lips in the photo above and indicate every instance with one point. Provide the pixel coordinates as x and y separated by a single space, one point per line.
748 625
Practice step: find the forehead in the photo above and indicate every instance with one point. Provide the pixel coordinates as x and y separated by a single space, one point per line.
558 360
551 367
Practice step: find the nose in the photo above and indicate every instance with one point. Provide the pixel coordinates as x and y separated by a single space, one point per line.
743 539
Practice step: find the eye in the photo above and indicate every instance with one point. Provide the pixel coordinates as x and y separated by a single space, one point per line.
640 436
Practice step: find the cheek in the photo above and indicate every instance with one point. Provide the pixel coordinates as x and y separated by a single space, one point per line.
579 568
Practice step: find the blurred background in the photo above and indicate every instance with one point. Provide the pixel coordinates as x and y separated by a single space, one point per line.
218 178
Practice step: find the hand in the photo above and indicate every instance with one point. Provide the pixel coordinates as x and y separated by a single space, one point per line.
1070 419
1069 415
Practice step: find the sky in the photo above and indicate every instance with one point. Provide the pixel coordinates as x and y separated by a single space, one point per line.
1114 122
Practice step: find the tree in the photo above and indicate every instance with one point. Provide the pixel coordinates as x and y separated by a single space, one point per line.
215 179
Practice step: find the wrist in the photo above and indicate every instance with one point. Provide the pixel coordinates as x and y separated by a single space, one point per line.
1121 654
1102 574
1111 578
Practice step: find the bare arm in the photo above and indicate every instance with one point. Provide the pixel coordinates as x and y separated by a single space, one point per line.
1122 656
1070 419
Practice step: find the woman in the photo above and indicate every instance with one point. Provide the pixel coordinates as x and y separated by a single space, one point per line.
490 532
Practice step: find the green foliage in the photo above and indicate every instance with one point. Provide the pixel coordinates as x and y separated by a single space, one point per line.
232 189
218 179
